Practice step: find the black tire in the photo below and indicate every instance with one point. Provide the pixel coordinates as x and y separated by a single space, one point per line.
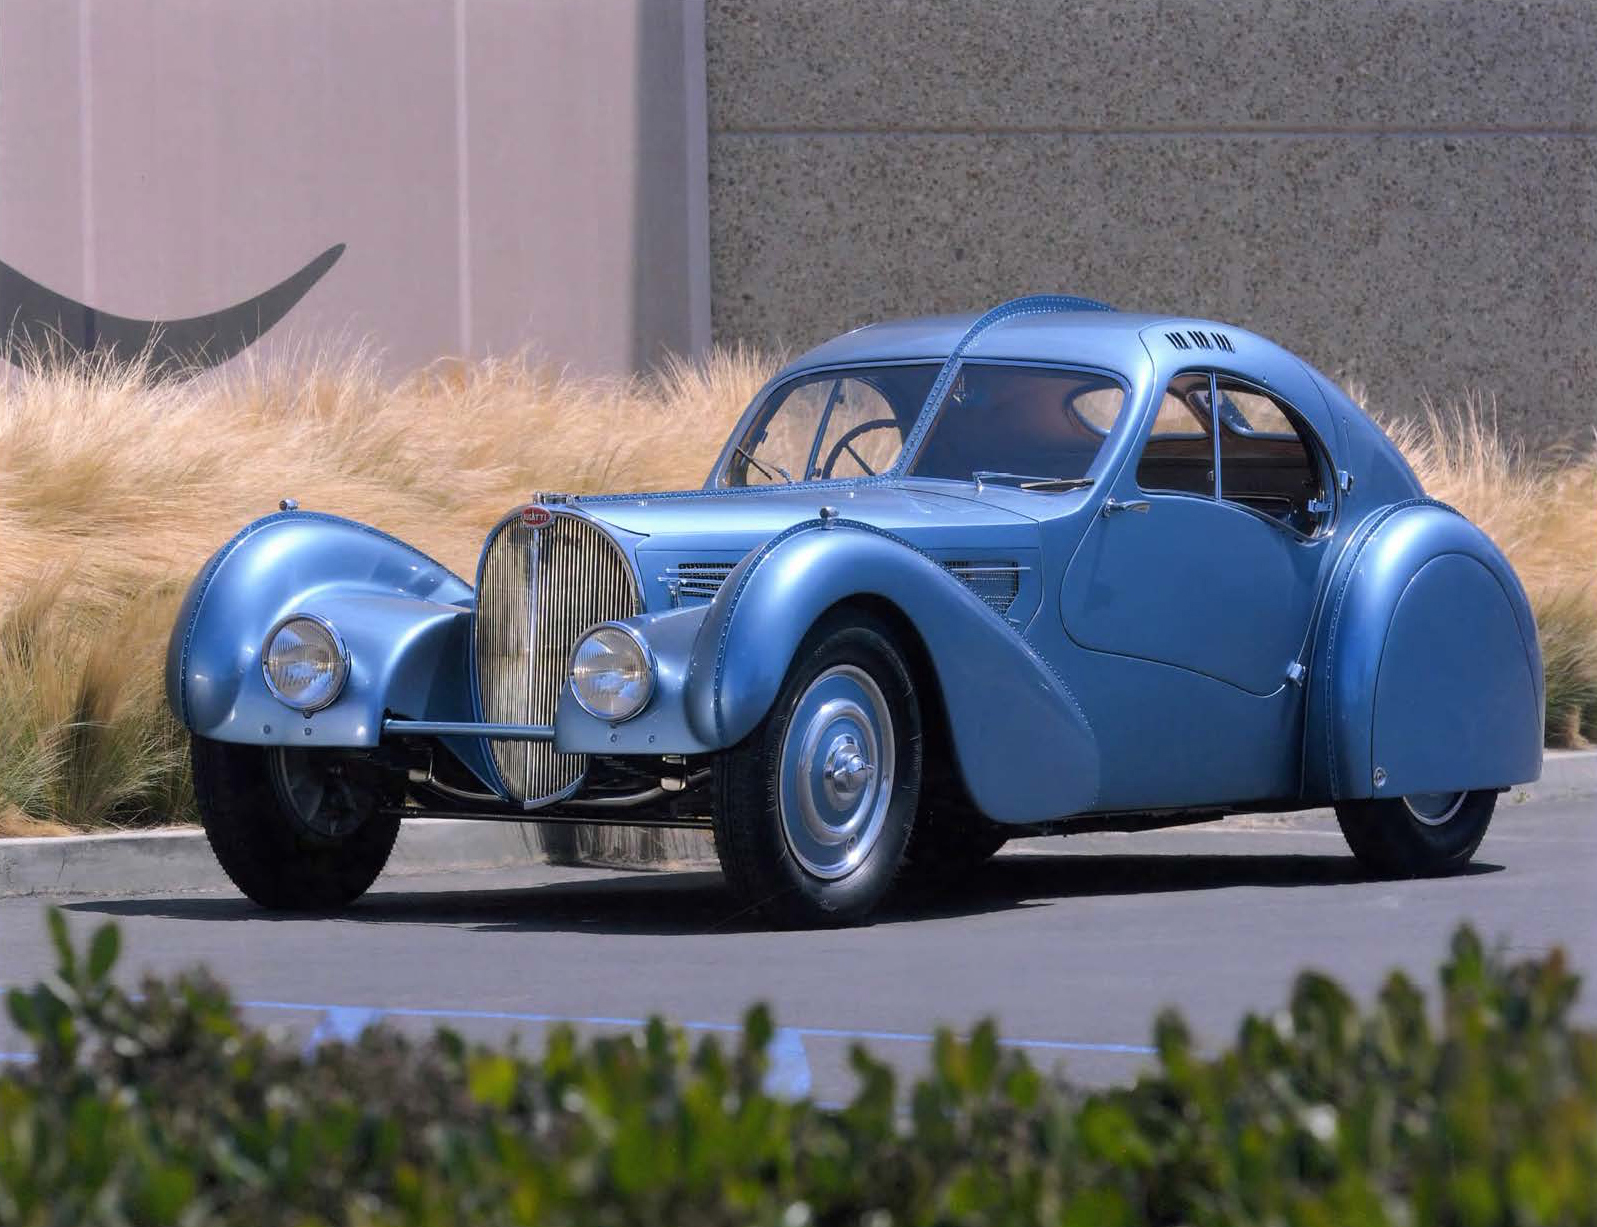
951 838
757 853
271 852
1390 837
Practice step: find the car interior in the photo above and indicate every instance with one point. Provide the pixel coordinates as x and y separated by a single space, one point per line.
1267 462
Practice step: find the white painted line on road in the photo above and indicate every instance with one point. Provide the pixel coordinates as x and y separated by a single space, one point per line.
842 1033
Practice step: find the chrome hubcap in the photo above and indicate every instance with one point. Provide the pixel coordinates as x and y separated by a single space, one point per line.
1434 808
838 756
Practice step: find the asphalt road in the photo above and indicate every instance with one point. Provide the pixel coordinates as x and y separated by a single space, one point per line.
1072 944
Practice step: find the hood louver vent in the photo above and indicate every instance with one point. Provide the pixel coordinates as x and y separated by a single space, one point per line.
1195 338
695 581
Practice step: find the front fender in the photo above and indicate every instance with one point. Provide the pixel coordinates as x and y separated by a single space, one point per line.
1428 675
404 618
1022 743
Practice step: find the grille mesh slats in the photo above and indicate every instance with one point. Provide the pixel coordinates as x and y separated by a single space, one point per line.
540 591
997 583
696 581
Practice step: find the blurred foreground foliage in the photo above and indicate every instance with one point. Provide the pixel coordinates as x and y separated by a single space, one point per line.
164 1108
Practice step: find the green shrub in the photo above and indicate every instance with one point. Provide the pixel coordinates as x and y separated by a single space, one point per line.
164 1108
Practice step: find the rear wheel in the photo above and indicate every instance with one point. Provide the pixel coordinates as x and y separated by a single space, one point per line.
1419 836
814 808
294 829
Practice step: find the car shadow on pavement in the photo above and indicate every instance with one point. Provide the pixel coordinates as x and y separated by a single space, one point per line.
696 902
1040 879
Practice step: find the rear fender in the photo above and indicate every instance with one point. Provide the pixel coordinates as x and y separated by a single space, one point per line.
404 618
1428 675
1022 743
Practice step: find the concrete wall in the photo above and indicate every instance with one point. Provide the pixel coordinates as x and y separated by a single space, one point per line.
501 173
1405 191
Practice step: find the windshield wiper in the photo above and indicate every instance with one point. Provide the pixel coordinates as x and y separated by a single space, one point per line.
1047 485
786 476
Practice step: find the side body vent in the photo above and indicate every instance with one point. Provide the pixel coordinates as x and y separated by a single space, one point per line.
996 582
688 582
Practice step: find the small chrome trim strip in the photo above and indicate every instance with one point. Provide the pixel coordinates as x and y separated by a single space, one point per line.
466 728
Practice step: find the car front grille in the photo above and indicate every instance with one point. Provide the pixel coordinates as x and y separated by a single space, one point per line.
540 590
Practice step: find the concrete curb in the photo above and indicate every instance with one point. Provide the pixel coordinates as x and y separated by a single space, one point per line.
179 859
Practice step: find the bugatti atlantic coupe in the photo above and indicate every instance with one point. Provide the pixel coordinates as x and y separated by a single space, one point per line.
951 580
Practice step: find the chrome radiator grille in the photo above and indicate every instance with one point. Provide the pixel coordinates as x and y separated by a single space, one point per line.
540 590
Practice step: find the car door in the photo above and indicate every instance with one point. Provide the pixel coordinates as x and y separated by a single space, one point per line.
1205 557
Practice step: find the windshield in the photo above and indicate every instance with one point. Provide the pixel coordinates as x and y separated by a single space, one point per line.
839 424
1026 420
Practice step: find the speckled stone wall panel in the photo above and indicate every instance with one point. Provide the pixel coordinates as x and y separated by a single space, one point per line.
1404 193
1023 64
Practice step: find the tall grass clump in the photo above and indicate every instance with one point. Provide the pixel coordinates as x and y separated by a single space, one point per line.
87 740
115 488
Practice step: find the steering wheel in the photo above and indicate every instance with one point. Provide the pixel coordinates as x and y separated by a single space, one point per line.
846 444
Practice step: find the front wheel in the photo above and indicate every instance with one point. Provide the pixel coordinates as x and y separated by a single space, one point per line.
813 809
294 829
1420 836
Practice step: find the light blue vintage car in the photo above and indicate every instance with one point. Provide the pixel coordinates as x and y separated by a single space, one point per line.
952 580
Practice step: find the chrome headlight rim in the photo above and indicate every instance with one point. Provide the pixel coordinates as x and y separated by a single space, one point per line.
650 669
341 678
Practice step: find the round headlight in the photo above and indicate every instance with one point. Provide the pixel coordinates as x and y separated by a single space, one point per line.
305 663
612 674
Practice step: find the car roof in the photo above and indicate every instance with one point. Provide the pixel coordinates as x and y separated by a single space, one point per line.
1129 343
1041 336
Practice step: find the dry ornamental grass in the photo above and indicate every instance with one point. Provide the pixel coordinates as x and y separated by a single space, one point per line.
114 490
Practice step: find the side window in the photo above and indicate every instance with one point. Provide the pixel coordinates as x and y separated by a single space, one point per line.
1179 455
1267 462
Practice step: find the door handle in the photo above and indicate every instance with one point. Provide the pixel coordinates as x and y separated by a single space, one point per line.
1113 505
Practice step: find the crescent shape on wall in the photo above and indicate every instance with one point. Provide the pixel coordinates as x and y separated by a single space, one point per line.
51 326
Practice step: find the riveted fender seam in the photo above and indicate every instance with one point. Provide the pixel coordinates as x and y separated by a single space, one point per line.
1015 308
726 623
973 600
1368 533
217 559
